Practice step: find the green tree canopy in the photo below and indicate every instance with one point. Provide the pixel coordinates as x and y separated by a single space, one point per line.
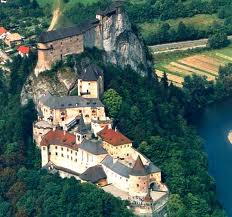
113 102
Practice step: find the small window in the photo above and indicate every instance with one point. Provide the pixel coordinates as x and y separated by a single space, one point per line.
67 150
71 151
62 149
55 147
76 153
49 153
56 154
75 160
44 148
137 185
62 155
67 156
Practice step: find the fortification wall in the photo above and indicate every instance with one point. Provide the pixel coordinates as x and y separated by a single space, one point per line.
138 185
49 53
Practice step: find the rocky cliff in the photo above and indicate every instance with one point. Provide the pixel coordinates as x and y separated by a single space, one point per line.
122 46
59 83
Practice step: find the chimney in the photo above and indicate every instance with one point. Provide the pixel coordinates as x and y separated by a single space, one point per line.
115 160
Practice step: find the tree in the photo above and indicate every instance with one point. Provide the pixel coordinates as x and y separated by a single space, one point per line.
175 207
182 31
113 102
164 80
218 40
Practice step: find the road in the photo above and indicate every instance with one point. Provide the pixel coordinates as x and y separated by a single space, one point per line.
56 16
183 45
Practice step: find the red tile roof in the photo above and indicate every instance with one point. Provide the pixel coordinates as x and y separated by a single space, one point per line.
113 137
23 49
59 137
2 30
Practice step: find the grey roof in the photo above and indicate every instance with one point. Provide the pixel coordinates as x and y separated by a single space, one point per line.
82 128
67 32
93 174
93 146
139 168
123 170
152 168
63 102
117 167
111 8
91 73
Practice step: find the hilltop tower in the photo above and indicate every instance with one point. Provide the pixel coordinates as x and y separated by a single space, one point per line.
91 82
139 180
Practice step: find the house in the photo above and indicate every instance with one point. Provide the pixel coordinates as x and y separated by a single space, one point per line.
23 50
3 33
13 39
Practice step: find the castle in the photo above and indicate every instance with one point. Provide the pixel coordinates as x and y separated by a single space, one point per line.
76 139
55 45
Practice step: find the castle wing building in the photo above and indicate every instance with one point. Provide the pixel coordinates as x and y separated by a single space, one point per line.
61 110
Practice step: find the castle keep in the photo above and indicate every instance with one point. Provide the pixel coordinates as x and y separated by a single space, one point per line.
55 45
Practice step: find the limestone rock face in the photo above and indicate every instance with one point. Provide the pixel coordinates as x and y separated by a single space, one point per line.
59 83
121 45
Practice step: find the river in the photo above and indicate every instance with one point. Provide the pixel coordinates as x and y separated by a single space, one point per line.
214 126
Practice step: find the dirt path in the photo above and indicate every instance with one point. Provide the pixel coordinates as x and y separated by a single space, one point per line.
56 15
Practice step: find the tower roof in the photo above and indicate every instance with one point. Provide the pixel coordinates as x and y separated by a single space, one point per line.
82 128
91 73
138 168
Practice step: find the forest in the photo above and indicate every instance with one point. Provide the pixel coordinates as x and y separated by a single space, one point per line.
25 189
156 115
151 12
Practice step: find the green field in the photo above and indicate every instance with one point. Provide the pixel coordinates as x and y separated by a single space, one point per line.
200 61
201 22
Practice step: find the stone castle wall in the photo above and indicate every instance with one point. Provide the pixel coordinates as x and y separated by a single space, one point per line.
49 53
138 185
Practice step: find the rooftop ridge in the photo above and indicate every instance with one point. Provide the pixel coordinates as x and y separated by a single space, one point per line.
58 34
